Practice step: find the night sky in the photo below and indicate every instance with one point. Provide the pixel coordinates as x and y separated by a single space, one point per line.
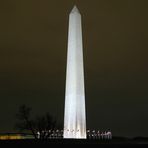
33 50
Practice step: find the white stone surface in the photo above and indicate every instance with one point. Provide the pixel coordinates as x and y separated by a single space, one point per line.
74 115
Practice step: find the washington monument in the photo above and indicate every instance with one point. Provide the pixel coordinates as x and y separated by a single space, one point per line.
74 115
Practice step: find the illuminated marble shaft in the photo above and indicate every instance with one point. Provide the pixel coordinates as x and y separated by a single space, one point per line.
74 116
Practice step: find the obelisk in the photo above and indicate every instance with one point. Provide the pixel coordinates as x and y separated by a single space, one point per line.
74 115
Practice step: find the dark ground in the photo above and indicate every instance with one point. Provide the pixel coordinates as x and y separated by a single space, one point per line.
117 141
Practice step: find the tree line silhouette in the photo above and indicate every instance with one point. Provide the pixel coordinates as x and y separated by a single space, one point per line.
39 124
